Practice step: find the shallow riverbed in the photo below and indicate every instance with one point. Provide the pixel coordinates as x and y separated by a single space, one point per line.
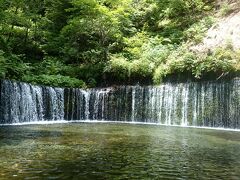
117 151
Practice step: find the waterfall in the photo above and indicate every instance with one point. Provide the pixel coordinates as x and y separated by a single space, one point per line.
210 104
21 102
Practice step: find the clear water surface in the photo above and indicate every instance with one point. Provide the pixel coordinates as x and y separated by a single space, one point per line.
117 151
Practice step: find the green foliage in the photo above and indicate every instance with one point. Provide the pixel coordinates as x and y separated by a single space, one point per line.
120 67
92 33
133 45
89 73
50 66
197 31
78 43
3 69
140 58
54 80
12 66
220 62
156 50
225 9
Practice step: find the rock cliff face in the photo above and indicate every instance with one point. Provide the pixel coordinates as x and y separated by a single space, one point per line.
226 31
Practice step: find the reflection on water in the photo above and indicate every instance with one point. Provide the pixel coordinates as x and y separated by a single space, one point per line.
117 151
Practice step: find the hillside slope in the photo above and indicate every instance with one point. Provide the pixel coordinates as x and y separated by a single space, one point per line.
226 31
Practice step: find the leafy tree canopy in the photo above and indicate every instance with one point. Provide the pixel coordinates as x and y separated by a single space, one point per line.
79 43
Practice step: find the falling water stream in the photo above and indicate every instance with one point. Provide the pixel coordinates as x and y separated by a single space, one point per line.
208 104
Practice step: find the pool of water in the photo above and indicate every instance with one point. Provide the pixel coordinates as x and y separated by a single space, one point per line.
117 151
